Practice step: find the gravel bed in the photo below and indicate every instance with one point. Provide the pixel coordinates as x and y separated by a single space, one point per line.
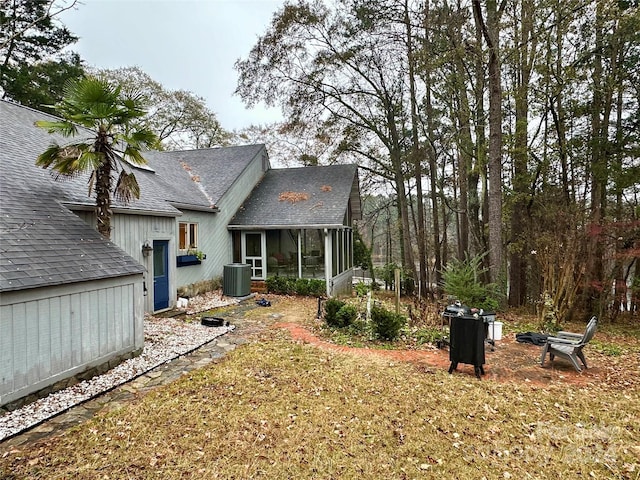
164 340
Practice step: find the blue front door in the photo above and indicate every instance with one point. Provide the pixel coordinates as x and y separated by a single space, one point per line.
160 274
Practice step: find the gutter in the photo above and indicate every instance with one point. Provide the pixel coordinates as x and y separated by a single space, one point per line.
83 207
287 227
198 208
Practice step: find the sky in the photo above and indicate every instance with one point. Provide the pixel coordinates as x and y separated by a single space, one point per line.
183 44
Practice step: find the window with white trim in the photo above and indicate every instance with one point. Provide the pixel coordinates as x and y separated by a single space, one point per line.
187 236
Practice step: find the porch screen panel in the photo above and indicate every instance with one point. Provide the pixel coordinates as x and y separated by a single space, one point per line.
292 251
282 252
312 253
336 252
350 248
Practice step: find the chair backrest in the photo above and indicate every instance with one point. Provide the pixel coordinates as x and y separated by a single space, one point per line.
591 330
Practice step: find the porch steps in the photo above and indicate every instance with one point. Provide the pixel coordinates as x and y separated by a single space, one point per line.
258 286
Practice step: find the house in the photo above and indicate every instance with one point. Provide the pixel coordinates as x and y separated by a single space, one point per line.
71 300
207 187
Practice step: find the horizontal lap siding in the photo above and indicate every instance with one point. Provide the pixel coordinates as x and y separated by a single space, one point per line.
51 336
342 283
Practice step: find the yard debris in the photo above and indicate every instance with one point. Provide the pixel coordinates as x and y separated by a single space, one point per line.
293 197
263 302
326 188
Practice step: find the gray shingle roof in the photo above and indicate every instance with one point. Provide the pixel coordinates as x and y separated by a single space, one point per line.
22 142
327 189
42 243
202 177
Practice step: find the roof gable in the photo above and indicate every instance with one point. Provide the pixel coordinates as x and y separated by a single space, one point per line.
202 177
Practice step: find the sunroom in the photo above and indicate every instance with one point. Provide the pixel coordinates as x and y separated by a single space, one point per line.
298 223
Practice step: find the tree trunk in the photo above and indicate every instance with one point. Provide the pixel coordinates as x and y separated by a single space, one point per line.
431 155
519 245
599 132
103 188
477 174
492 37
416 151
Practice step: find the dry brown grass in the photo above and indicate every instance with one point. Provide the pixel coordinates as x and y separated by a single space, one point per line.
278 409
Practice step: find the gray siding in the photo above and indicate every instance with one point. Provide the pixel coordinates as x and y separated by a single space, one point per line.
130 232
49 334
341 284
214 238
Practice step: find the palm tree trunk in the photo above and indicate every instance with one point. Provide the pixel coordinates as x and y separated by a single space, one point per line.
103 190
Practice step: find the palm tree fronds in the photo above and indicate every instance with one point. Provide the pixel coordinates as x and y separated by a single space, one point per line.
66 129
134 156
127 187
70 166
112 117
49 156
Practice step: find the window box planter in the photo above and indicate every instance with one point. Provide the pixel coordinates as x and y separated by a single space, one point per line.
186 260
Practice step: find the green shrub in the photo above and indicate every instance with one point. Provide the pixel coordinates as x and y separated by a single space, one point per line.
461 280
277 285
361 289
296 286
386 324
317 288
347 315
331 308
302 287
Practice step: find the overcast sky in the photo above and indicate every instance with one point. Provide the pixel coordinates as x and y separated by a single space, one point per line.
183 44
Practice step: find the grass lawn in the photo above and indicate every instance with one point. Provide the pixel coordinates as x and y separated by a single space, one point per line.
279 409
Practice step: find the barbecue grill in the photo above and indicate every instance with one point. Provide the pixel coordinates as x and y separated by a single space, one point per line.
467 334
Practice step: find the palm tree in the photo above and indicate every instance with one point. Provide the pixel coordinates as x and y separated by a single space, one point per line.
112 141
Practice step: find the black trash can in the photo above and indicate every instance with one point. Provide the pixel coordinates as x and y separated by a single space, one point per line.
467 334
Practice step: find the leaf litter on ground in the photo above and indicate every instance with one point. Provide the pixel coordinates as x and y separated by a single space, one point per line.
277 408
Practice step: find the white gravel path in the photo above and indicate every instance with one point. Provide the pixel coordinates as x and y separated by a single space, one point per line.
165 339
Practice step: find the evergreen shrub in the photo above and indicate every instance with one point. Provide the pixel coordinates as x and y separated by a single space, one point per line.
331 308
347 315
386 324
296 286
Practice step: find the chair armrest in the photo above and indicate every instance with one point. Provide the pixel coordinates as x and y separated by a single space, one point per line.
569 335
564 341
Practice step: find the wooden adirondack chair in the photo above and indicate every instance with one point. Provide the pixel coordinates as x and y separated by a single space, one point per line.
569 345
